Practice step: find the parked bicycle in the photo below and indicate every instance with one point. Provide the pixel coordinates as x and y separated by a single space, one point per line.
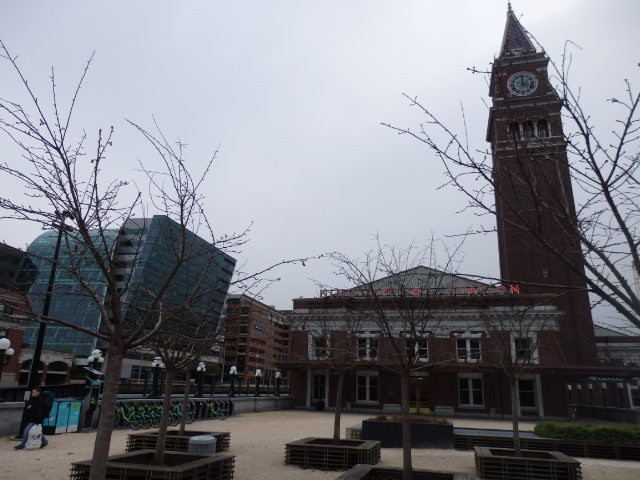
213 409
127 417
175 415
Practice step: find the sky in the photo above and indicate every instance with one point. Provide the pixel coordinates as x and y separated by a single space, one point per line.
293 94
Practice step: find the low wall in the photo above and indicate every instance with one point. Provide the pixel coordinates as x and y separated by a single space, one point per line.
260 404
11 412
10 416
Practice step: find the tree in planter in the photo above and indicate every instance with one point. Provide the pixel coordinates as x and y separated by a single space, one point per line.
333 346
62 176
181 343
515 340
385 281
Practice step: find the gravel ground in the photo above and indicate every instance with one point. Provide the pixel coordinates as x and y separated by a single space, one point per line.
257 441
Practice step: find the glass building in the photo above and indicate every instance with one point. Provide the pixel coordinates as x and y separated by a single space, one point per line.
70 301
145 251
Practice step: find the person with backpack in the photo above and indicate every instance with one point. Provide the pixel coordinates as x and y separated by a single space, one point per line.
38 408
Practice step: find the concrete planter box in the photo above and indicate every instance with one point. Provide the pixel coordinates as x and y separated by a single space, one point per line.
174 441
501 464
423 435
573 448
368 472
322 453
178 466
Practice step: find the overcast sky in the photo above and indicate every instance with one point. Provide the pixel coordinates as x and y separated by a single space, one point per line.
294 93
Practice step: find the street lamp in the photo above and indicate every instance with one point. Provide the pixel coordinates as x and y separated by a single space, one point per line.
278 377
258 375
32 379
233 373
37 352
95 360
200 369
5 353
156 365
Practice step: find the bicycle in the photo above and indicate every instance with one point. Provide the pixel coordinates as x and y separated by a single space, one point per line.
175 415
129 417
215 411
150 414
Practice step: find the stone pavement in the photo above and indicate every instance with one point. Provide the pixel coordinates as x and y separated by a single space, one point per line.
258 440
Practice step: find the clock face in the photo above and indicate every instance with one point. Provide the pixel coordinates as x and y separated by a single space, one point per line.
522 83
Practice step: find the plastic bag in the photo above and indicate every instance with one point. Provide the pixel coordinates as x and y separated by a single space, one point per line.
35 436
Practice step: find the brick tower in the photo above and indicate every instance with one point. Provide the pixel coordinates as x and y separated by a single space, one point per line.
534 197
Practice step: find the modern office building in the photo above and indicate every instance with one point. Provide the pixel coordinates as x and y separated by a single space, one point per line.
255 336
70 300
144 250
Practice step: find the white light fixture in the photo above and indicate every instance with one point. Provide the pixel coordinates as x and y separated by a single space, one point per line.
96 356
202 367
233 370
258 372
278 375
157 363
5 343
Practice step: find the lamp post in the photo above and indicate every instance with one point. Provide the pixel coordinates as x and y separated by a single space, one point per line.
200 369
95 360
37 351
278 377
258 375
233 373
32 379
5 353
156 365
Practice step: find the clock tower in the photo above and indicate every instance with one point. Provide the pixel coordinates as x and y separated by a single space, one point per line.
535 210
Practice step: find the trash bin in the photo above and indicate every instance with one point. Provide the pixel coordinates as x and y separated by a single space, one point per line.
202 444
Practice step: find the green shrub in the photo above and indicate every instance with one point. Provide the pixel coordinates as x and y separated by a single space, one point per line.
587 432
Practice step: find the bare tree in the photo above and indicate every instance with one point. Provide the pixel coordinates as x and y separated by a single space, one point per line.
396 289
65 178
603 165
515 342
333 346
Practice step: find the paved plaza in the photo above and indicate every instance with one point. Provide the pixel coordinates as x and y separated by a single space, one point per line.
257 441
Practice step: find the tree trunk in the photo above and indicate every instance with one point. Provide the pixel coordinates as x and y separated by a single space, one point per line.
185 401
158 458
515 411
338 411
407 465
107 412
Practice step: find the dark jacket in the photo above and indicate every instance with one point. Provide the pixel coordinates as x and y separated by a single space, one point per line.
36 410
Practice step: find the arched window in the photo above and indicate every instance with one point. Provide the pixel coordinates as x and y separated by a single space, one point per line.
527 129
543 128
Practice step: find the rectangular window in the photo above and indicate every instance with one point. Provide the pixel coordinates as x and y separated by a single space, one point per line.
527 392
468 349
635 396
367 387
470 390
320 347
523 349
417 349
319 387
367 348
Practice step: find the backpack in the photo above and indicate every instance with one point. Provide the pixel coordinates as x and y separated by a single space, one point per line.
47 400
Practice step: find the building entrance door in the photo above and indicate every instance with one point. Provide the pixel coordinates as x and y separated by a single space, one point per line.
418 395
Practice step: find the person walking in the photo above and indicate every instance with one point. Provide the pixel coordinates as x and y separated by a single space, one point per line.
37 410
